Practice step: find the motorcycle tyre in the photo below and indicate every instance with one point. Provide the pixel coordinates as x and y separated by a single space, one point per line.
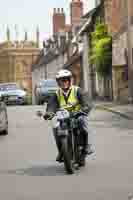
68 163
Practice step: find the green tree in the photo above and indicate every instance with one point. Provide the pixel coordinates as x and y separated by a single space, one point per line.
101 53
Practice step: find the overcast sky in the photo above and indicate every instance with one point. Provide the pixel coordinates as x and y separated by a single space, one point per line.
27 14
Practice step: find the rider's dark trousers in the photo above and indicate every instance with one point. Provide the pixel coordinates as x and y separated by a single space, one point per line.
83 124
57 139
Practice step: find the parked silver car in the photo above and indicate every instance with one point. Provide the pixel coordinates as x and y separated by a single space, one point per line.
13 93
3 118
44 89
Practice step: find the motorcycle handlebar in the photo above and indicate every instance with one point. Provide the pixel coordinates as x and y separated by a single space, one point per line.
50 115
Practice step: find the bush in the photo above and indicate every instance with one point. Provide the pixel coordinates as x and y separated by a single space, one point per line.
29 99
101 52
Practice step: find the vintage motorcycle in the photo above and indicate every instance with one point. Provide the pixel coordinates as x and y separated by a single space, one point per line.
70 137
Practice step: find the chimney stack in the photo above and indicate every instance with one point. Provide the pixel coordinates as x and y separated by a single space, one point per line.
59 20
76 13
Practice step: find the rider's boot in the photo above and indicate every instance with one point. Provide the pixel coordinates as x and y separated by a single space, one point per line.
82 161
58 144
87 147
59 157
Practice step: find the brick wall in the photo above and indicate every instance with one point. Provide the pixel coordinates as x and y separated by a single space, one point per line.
115 15
119 15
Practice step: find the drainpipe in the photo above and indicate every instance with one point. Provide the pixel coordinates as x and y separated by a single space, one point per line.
129 47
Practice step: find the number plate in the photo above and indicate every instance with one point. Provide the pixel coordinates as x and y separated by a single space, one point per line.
62 132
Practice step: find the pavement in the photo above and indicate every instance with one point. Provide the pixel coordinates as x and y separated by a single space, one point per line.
124 110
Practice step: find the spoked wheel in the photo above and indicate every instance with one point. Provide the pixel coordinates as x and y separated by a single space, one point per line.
68 162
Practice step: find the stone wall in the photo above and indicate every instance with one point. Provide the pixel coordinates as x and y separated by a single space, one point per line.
120 84
119 62
119 48
15 63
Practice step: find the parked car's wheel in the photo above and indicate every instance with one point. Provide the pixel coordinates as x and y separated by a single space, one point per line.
3 119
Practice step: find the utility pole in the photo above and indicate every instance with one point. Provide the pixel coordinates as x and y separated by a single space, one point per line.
130 55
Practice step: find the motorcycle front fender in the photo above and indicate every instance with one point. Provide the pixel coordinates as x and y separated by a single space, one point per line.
61 133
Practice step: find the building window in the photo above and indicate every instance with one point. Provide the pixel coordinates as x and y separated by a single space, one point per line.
123 12
131 19
125 73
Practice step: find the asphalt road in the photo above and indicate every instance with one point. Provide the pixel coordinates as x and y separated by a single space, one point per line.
28 170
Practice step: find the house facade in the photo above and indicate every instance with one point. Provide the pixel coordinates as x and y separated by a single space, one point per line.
119 30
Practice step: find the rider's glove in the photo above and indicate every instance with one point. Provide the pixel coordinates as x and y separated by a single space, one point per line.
85 110
48 116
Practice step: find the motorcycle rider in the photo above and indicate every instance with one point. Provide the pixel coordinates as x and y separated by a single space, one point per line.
70 94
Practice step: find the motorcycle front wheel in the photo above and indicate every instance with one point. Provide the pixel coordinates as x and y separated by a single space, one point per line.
68 162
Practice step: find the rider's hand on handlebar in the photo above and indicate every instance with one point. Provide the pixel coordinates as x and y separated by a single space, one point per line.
85 110
48 116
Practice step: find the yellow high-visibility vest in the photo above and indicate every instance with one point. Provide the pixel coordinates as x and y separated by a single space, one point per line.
72 99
